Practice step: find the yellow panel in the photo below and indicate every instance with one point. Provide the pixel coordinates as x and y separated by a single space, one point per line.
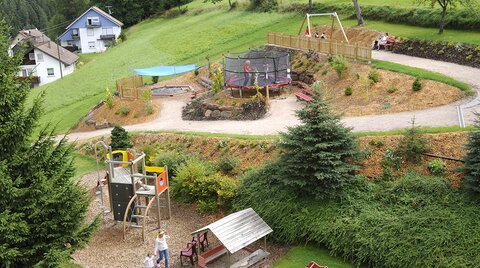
157 170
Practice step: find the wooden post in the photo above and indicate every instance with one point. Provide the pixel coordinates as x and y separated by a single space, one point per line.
303 23
268 96
157 199
331 29
168 194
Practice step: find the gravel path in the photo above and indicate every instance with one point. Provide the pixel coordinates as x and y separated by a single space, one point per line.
282 112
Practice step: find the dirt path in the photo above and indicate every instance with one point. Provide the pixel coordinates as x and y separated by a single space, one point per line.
282 112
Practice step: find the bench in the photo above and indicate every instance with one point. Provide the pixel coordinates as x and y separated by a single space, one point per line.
304 97
211 255
251 259
308 92
313 264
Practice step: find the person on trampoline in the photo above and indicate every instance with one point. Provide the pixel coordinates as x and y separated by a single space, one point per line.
247 72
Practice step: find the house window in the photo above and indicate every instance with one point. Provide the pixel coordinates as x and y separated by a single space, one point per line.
31 56
107 31
50 72
75 32
93 21
69 43
40 57
90 32
91 44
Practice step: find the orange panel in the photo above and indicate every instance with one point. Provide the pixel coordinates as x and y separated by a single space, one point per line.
162 182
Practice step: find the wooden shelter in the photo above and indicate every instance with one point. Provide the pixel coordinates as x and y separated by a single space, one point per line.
236 232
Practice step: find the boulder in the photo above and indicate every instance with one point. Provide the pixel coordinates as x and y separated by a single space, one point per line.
216 114
102 125
208 113
226 114
90 122
226 108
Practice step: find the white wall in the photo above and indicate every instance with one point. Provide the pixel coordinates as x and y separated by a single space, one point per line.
99 44
42 66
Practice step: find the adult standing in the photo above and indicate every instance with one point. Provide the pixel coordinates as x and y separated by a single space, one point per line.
161 248
247 73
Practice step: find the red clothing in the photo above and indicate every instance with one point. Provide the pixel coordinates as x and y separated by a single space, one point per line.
246 68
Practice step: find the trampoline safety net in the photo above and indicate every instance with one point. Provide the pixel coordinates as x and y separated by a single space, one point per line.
266 68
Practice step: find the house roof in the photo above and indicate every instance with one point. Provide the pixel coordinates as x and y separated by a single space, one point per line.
99 11
33 35
53 49
238 230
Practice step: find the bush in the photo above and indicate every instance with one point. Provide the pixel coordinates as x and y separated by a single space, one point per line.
392 89
417 84
374 75
228 164
108 98
218 80
348 91
196 72
437 167
122 37
413 144
146 95
149 108
124 111
339 65
172 159
376 142
155 79
263 5
121 140
472 158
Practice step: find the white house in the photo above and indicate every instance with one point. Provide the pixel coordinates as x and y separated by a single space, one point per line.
94 31
42 58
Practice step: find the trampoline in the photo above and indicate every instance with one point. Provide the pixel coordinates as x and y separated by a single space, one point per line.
264 68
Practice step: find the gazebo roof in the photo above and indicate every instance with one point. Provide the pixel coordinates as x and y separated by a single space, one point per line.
238 229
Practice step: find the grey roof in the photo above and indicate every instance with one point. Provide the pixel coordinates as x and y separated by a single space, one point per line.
33 35
52 50
103 13
238 230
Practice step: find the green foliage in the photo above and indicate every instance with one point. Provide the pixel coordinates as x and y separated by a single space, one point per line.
218 81
374 75
339 65
417 84
197 182
155 79
299 256
437 167
263 5
325 72
376 142
146 95
173 159
472 158
391 159
196 72
121 140
228 164
42 208
108 98
149 108
317 157
348 91
392 89
124 111
413 144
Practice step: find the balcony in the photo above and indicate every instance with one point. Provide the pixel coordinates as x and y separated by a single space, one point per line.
93 24
33 79
75 36
107 36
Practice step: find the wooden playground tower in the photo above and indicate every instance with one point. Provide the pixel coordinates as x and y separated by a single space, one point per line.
132 193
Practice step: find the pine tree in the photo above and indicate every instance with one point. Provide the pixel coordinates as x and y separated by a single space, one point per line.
472 158
120 139
317 157
42 209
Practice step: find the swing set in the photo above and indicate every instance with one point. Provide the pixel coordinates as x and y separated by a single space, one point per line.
334 15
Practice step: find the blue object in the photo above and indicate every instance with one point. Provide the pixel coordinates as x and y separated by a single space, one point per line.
165 70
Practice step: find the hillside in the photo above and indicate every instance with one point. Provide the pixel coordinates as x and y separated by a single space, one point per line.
206 29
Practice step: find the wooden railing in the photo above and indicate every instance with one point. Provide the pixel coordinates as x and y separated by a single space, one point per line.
352 51
129 87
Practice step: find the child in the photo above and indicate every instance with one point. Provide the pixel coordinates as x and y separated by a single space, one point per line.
162 248
149 261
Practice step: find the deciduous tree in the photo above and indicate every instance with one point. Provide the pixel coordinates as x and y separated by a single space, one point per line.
444 4
358 12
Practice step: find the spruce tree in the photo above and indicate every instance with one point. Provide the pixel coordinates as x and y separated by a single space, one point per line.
120 139
42 209
317 157
472 158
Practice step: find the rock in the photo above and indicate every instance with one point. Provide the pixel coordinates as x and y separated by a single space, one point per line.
90 122
216 114
226 108
102 125
226 114
211 106
208 113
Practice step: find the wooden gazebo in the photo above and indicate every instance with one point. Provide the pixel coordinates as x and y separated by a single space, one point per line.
236 232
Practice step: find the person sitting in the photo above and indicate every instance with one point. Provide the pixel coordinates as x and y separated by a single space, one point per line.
382 41
375 45
316 35
323 36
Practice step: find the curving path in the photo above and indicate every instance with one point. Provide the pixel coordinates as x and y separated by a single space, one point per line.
282 112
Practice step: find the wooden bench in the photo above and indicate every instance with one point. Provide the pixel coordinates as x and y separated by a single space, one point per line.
313 264
304 97
211 255
251 259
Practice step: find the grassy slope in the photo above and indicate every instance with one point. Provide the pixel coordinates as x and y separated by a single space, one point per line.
206 30
84 164
300 256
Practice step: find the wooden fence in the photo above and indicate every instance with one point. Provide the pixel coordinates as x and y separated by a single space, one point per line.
129 87
352 51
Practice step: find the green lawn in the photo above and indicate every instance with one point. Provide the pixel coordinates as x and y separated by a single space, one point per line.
207 29
84 164
300 256
423 74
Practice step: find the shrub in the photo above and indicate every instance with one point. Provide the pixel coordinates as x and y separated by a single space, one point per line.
196 72
392 89
124 111
218 81
472 158
120 139
339 65
228 164
108 98
376 142
149 108
374 75
155 79
146 95
348 91
122 37
391 159
325 72
437 167
417 84
263 5
413 144
172 159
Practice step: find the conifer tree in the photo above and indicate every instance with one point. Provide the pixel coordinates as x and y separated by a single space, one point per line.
42 209
317 157
472 158
120 139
